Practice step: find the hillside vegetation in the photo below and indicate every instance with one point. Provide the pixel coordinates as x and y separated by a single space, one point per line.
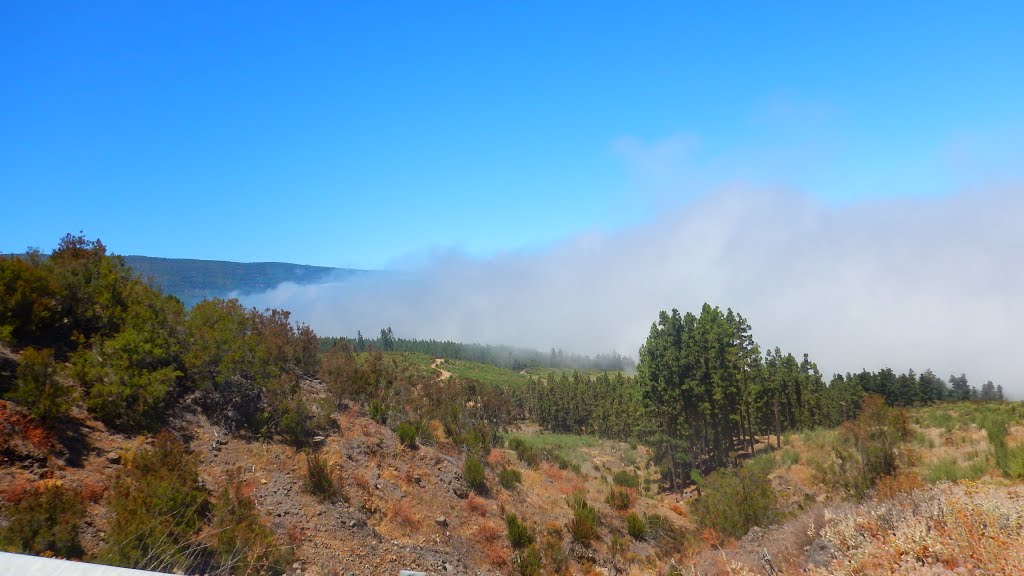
221 439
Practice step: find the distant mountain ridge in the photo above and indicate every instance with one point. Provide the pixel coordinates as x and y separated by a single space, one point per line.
193 280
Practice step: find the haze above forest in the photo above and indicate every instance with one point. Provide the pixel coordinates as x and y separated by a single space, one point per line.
908 283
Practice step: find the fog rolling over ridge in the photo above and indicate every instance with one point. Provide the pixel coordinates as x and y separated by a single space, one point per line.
912 283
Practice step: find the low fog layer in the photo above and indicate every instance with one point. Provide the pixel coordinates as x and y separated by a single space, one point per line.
906 284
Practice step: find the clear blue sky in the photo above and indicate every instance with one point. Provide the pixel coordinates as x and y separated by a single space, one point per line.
355 133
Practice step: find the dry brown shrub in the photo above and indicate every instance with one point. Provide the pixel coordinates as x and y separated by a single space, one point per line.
678 509
16 491
295 534
553 472
496 553
495 457
16 424
403 513
359 479
489 531
889 487
93 491
711 537
476 504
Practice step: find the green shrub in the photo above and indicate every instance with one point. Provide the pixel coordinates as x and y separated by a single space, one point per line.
789 457
509 478
320 478
636 526
158 505
133 376
527 454
949 470
869 447
564 463
619 498
243 544
734 500
554 553
295 424
46 520
39 389
626 479
584 522
378 411
407 432
527 562
475 476
1013 462
519 536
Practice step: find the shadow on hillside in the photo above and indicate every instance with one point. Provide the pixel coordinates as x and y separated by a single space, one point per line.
73 438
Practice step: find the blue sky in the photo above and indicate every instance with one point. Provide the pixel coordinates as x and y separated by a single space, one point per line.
357 134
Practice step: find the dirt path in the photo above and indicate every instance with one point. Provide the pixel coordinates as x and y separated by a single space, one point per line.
437 366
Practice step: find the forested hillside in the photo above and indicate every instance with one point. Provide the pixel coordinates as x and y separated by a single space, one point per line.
511 357
194 280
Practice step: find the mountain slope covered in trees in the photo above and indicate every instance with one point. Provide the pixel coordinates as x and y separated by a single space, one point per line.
194 280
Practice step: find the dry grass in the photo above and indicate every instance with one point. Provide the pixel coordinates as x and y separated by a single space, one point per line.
17 425
490 531
16 491
495 458
360 479
476 505
93 491
963 526
404 514
553 472
496 553
889 487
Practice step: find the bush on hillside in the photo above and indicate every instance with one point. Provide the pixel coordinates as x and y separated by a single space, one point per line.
378 411
527 454
158 505
510 478
734 500
619 498
626 479
636 526
528 562
46 520
869 447
475 476
407 432
321 481
132 376
519 536
584 523
39 389
242 542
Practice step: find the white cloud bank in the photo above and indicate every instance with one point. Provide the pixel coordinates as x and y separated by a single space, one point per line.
914 283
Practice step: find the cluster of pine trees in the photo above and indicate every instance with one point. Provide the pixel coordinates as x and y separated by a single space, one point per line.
704 393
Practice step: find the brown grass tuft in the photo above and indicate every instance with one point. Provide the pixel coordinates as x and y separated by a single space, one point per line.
496 553
476 504
93 491
489 531
16 491
495 457
889 487
403 513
